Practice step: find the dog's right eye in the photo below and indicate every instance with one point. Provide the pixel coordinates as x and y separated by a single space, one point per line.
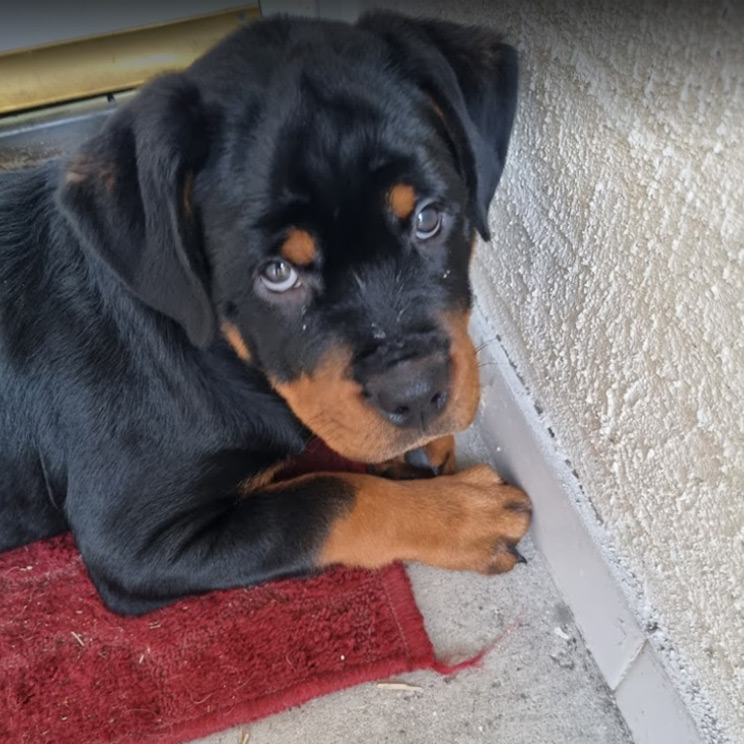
279 275
428 221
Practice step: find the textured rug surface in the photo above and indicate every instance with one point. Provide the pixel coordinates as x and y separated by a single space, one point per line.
72 672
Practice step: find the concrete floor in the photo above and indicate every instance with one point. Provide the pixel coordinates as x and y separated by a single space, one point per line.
538 686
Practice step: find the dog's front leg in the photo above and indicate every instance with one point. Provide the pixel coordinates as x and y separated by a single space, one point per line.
259 531
469 521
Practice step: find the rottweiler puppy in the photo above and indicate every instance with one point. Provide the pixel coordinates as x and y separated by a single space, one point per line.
268 247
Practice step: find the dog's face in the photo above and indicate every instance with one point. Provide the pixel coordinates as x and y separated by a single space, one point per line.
321 221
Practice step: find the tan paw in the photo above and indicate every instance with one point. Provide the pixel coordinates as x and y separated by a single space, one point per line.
469 521
494 517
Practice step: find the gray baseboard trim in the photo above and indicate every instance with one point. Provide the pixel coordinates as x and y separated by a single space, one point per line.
524 451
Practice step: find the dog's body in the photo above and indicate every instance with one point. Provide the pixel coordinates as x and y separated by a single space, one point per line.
271 245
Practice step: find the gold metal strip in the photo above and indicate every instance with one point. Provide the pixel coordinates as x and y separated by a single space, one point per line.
111 62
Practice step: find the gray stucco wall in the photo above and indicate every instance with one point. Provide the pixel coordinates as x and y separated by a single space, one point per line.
616 279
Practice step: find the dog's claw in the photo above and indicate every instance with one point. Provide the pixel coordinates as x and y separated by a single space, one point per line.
520 558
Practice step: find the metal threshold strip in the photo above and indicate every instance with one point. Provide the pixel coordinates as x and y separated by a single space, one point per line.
33 137
54 96
97 65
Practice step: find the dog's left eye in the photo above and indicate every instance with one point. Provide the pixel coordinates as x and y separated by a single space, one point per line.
428 222
279 275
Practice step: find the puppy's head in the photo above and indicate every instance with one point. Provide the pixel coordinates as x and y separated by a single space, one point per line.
310 192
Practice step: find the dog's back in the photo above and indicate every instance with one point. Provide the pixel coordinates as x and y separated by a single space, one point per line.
27 261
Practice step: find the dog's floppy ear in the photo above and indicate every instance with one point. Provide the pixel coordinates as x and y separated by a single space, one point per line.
127 195
471 77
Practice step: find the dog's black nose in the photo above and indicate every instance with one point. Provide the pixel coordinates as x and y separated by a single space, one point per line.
411 393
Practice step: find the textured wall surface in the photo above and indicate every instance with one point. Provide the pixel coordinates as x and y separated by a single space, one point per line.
616 278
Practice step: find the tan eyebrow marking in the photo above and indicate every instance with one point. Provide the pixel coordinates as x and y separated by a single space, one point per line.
299 247
402 200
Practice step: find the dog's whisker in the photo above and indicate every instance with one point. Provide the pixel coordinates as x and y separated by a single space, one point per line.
487 342
492 364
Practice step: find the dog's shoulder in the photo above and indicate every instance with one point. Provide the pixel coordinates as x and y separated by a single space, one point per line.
32 241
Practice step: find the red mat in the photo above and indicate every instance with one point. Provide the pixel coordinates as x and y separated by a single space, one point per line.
72 672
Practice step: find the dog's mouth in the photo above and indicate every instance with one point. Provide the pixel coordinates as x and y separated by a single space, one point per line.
420 400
